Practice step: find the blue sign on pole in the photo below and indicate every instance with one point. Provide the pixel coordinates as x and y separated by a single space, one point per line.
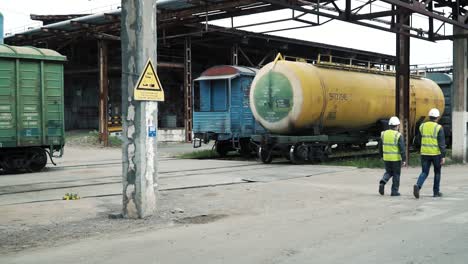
151 131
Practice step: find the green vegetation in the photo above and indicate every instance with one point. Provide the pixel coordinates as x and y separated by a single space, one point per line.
376 162
83 138
200 154
115 141
359 162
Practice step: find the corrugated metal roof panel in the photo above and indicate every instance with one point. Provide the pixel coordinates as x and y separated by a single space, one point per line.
227 70
246 70
216 77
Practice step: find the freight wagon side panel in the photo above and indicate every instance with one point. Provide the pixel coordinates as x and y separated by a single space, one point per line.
236 107
53 104
29 123
7 103
211 111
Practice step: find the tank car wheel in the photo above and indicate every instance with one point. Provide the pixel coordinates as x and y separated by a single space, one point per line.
298 153
265 155
37 160
318 154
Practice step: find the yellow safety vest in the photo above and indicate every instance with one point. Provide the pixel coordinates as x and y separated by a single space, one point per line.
429 143
391 150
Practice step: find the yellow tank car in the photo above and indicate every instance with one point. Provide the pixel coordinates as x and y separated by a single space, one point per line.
298 98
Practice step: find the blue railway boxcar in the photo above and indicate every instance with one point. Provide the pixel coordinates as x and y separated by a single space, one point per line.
222 110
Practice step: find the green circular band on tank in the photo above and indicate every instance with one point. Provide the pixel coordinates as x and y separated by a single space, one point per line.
273 96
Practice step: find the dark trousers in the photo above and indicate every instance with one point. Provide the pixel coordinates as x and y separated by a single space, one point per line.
426 162
392 170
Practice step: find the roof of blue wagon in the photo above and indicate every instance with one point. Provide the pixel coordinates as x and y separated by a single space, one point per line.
226 72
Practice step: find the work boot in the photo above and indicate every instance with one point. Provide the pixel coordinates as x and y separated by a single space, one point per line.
439 194
382 189
395 194
416 191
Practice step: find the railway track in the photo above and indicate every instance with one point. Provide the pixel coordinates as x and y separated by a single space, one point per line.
111 179
212 170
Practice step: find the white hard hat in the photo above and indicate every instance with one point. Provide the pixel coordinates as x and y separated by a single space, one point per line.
394 121
434 112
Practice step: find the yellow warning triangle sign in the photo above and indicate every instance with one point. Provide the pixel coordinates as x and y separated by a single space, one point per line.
149 87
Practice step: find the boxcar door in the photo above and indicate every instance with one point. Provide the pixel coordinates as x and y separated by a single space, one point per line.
7 103
29 101
236 106
53 100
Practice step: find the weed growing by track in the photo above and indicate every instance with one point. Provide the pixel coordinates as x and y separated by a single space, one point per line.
83 138
199 154
376 162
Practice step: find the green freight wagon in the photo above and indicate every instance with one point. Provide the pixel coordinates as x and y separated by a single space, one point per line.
31 107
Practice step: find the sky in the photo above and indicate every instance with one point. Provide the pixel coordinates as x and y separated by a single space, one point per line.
16 15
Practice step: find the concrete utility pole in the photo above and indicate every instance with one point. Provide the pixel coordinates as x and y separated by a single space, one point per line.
460 97
139 38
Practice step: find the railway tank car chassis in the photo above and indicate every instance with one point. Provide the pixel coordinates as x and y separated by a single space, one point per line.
31 108
308 107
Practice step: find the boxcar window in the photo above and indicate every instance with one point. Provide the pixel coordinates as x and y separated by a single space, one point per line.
211 96
205 96
219 95
196 96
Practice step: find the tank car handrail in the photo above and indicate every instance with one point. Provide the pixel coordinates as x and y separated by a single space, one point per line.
342 66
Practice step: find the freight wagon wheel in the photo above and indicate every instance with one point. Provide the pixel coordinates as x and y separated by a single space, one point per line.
222 148
264 154
318 154
298 153
37 160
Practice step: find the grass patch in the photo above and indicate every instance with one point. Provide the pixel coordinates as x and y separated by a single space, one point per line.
115 141
376 162
357 162
85 138
199 154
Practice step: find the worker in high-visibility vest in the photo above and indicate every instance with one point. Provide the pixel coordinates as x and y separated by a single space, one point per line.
432 141
392 150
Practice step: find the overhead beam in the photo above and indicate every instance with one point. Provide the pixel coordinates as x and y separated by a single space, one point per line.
374 15
339 17
189 12
105 36
420 9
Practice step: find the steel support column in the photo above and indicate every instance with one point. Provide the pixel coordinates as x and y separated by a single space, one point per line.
188 89
402 91
103 93
139 148
460 98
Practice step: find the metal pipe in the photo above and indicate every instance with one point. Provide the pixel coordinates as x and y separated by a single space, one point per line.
1 28
69 22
